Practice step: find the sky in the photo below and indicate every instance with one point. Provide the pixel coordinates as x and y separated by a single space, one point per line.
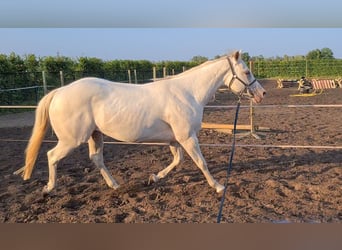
169 30
158 44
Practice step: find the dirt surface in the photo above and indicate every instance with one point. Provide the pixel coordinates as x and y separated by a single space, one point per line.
273 185
24 119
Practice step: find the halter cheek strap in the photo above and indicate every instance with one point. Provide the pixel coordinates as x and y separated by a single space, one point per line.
236 77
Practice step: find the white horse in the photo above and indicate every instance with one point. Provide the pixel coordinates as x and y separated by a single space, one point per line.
168 111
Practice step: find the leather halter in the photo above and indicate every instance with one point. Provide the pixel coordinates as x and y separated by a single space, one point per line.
246 90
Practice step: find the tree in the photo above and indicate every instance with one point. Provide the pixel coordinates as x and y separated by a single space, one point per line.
31 63
327 53
56 64
199 59
5 66
16 62
324 53
258 58
245 57
91 66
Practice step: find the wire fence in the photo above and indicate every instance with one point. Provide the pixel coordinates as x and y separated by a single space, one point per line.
26 88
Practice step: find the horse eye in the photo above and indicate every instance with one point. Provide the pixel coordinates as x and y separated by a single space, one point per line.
247 72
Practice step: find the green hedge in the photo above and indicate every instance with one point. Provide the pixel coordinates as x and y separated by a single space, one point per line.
325 68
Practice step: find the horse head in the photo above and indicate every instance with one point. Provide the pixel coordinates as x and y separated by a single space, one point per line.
240 80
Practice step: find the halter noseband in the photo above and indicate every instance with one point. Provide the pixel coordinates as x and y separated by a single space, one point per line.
246 91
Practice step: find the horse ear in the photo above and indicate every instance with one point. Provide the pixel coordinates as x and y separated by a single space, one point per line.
237 55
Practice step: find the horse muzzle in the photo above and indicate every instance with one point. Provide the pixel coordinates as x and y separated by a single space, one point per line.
259 95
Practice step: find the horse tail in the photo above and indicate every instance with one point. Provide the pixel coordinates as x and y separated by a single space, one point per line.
39 130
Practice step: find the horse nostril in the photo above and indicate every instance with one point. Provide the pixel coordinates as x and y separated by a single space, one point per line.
264 93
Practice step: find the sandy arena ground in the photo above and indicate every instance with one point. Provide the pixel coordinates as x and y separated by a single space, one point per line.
271 185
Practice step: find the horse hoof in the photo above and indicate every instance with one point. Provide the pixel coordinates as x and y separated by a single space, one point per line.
219 188
114 186
46 189
153 178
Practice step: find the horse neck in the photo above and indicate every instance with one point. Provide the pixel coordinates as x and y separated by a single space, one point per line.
204 80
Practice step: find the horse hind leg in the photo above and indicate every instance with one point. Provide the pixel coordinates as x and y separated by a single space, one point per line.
95 144
177 153
54 156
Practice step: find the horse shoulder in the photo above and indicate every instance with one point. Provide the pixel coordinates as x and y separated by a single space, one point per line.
183 113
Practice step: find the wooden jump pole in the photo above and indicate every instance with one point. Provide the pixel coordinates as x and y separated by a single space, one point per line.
208 125
224 126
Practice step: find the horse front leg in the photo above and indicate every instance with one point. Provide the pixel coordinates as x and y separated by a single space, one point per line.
177 153
191 146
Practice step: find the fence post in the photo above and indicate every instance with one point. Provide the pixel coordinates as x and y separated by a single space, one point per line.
62 78
44 83
135 77
129 76
184 68
164 72
154 74
258 63
251 66
251 116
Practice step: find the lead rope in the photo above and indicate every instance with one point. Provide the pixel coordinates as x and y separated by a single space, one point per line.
230 165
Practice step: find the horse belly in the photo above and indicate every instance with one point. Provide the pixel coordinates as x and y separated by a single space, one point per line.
136 132
156 134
